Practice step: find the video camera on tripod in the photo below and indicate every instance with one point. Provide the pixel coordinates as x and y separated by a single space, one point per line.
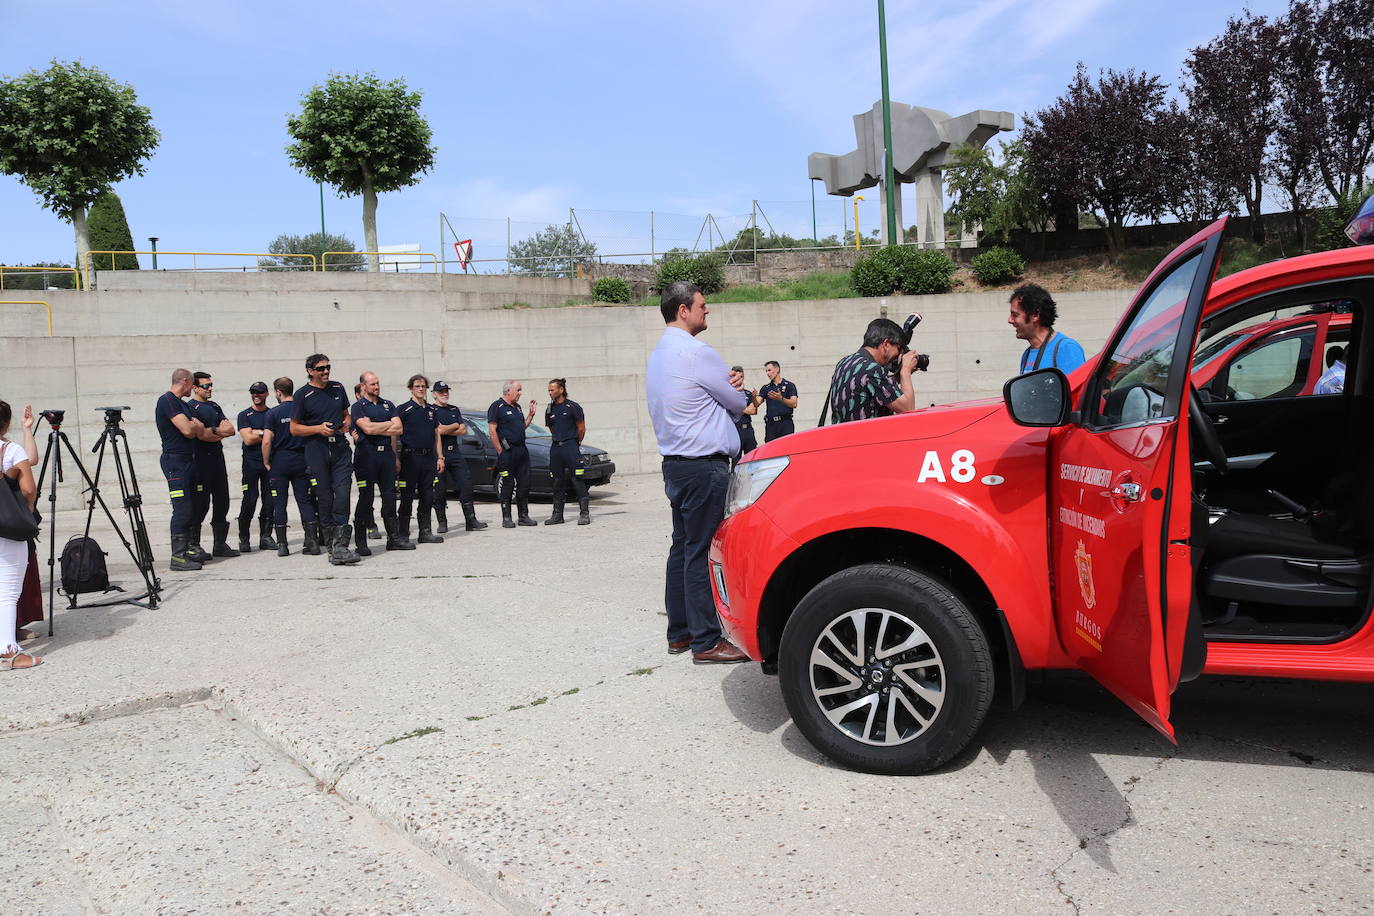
140 550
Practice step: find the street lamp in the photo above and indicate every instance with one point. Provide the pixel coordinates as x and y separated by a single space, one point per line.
152 240
858 236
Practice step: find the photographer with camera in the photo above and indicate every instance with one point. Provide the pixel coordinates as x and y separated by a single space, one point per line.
875 380
179 430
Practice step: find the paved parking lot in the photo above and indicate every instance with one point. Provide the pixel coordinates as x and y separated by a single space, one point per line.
492 725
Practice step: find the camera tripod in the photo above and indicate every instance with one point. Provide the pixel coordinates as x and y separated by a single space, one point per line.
140 551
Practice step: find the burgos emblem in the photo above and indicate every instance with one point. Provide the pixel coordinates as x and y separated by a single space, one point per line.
1084 561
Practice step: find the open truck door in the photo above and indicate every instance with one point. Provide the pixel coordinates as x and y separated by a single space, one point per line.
1120 484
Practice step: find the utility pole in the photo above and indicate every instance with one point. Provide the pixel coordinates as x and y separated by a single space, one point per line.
888 184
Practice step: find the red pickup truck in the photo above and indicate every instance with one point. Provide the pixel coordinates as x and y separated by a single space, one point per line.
1145 520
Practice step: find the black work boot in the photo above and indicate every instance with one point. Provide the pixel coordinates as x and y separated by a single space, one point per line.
441 517
584 515
523 515
221 547
505 514
470 516
265 541
395 540
311 544
557 517
360 541
340 554
245 536
282 549
373 534
181 561
426 535
193 548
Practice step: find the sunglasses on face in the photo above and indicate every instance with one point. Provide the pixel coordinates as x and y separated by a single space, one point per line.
324 368
206 385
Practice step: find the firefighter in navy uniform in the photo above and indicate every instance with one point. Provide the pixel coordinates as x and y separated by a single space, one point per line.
506 426
421 459
568 426
212 478
375 421
745 424
179 431
451 428
319 415
780 396
284 456
251 422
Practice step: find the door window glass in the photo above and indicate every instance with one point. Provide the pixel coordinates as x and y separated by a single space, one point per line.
1277 367
1133 381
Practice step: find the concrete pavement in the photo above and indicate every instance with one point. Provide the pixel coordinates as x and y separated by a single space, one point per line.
492 725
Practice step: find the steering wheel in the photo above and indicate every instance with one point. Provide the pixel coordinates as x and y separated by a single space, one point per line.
1205 431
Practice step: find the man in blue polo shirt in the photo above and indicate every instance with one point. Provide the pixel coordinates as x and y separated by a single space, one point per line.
178 430
1033 313
780 398
212 478
506 426
319 415
422 459
284 456
375 420
252 420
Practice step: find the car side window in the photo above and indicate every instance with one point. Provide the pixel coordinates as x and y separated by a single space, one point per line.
1277 367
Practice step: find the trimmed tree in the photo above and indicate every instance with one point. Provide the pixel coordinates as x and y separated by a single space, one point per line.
362 136
554 251
108 229
71 132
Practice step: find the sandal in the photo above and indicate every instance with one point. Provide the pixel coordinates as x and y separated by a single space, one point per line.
19 661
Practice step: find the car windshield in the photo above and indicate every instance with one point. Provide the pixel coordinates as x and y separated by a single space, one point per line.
533 431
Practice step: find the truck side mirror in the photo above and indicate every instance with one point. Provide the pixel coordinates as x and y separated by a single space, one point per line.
1039 398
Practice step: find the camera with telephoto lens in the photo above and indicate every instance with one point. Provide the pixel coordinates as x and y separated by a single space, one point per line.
54 417
922 359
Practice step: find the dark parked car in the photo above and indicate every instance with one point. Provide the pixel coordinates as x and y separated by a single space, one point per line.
480 455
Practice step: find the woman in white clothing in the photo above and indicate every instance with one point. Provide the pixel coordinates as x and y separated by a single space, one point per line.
14 555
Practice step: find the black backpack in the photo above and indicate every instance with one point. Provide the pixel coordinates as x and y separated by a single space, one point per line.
83 567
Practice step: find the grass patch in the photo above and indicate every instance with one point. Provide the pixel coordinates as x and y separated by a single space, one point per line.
568 693
418 733
640 672
539 702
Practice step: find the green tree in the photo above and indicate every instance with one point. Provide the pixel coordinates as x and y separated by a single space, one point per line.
315 244
108 229
71 132
362 136
37 279
553 251
976 184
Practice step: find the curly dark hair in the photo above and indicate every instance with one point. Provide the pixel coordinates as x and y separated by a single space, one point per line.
1036 301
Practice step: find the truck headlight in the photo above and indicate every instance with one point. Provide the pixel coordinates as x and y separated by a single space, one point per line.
749 481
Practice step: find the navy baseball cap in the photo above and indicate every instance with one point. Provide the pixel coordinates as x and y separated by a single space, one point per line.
441 385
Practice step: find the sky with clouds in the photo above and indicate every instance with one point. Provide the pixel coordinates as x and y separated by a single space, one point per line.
612 108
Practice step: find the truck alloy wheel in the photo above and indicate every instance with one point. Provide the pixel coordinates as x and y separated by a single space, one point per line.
885 670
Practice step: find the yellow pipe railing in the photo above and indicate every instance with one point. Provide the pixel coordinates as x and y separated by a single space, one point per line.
76 281
394 255
33 302
314 261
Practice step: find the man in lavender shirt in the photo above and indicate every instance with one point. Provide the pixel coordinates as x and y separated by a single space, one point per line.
694 404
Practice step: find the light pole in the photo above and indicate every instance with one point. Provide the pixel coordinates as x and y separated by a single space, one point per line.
888 186
858 236
815 237
152 240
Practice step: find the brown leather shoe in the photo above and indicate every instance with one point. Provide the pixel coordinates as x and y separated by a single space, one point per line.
677 648
722 653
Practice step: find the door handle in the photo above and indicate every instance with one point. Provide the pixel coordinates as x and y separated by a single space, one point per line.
1127 492
1220 419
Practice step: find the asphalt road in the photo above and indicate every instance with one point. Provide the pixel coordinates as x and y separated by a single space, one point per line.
492 725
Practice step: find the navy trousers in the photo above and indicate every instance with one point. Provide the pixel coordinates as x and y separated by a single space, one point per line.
289 472
255 481
331 466
565 464
375 468
180 471
696 491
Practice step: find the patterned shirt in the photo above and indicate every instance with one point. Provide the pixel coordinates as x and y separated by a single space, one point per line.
861 389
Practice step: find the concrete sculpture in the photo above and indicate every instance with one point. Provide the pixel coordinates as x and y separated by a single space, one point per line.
921 140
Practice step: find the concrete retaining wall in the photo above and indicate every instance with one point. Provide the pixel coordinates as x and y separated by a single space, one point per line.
115 352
